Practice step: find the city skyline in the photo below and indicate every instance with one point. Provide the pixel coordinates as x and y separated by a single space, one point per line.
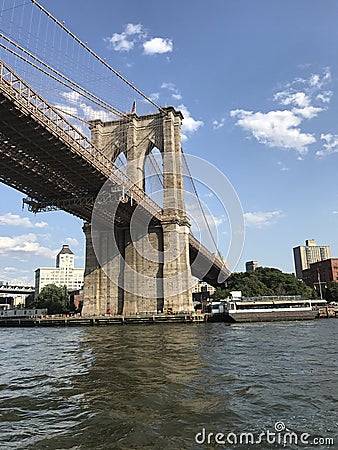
257 86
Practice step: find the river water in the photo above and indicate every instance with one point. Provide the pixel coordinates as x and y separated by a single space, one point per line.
170 386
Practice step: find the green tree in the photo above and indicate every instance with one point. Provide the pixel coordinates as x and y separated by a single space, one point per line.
266 281
248 283
282 283
331 292
30 301
54 298
220 293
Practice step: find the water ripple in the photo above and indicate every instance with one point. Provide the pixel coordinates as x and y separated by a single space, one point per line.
155 387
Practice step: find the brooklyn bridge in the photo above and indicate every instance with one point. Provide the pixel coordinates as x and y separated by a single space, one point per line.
140 253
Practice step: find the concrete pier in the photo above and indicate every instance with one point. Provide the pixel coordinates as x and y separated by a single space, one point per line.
149 319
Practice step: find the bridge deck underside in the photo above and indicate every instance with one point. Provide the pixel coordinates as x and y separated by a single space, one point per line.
34 161
37 163
204 266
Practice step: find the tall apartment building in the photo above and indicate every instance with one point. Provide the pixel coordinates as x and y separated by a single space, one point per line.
64 274
304 255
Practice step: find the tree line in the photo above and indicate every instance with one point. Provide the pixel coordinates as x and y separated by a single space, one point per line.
271 281
262 281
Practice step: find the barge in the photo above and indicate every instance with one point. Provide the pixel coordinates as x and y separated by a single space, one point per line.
265 310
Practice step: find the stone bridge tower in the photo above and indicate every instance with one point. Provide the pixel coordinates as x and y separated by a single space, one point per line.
142 267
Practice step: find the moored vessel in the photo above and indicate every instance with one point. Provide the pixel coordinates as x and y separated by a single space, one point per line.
269 310
261 309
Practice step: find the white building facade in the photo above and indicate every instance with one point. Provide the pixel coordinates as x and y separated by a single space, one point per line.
64 274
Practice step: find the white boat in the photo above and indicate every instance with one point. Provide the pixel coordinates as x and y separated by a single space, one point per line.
270 310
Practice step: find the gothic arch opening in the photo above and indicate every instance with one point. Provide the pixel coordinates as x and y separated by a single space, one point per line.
121 162
153 176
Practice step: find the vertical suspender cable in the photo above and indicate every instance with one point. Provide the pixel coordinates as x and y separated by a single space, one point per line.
200 204
102 61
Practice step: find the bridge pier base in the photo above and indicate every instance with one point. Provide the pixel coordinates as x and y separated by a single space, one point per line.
100 291
177 278
145 274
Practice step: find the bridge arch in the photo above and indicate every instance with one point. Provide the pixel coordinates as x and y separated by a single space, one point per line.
153 174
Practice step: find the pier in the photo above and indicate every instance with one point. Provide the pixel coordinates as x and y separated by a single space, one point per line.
146 319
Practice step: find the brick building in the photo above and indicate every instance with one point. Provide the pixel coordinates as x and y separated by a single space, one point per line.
321 272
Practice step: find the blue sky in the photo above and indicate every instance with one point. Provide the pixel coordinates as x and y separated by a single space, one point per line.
257 82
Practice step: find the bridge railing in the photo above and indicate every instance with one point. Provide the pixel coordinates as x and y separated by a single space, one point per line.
16 289
18 91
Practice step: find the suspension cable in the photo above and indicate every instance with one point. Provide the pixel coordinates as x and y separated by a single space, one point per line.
71 115
156 167
72 85
200 203
96 56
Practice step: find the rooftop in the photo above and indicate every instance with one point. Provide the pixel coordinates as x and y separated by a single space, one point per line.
65 250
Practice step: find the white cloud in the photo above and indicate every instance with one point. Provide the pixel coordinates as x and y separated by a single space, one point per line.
72 241
91 113
331 145
201 220
124 42
72 110
157 45
135 34
218 124
308 112
154 96
301 102
26 243
275 129
177 96
72 96
41 224
281 127
172 88
19 281
324 96
297 98
120 43
261 219
318 81
14 220
189 124
77 107
9 269
131 29
169 86
314 82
